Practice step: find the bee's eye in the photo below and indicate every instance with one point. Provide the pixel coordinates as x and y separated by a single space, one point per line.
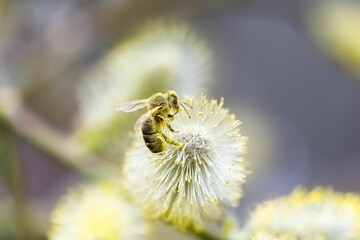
174 101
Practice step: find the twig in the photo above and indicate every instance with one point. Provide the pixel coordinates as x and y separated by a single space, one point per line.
12 176
61 147
205 236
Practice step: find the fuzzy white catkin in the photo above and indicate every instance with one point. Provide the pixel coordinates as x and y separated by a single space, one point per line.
318 214
97 211
190 186
335 26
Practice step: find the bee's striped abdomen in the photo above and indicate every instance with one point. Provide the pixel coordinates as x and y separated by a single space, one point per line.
153 139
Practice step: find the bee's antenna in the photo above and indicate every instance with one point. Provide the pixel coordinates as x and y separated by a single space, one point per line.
181 103
187 104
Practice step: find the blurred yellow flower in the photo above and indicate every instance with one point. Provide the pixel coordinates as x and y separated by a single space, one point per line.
320 214
190 186
266 236
97 212
163 55
336 27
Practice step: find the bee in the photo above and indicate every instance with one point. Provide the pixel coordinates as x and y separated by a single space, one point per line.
162 108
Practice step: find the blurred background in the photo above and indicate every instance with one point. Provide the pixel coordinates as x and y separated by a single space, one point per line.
289 70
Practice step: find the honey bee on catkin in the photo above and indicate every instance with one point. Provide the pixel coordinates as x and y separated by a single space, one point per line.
162 108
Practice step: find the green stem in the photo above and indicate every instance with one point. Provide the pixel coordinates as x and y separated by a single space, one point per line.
25 124
205 236
12 175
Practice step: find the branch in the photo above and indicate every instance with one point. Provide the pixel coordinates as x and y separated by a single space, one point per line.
12 175
37 132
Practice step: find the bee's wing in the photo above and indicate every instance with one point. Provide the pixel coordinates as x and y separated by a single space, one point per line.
145 116
131 106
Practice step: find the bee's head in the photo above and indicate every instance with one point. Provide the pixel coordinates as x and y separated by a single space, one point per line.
173 101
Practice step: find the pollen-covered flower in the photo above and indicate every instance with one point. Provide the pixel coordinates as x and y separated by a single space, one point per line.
336 27
318 214
97 212
266 236
190 185
163 55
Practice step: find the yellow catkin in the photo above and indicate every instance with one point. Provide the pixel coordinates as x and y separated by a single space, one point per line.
97 212
336 28
320 214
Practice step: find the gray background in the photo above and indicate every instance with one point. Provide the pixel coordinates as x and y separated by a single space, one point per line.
299 108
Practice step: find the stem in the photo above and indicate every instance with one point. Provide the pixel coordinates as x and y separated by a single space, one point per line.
25 124
12 175
205 236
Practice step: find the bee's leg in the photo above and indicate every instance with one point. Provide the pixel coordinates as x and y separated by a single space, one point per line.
171 128
172 141
168 118
160 117
167 122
